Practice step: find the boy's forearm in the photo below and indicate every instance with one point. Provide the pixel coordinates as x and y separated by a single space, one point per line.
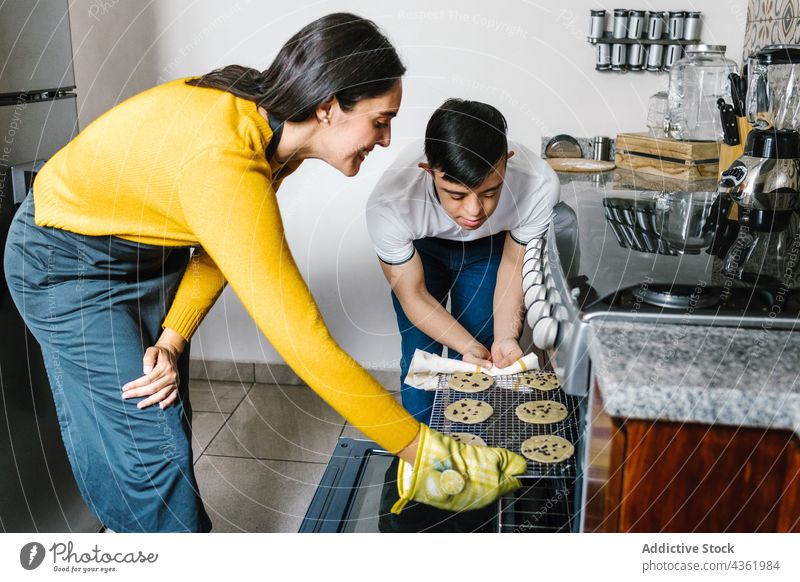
509 307
428 316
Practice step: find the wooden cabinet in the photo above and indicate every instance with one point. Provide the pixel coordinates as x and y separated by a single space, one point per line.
645 476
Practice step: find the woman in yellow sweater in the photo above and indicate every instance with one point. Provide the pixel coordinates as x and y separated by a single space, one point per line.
98 262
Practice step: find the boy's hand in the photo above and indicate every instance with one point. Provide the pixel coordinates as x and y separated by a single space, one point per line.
476 353
505 352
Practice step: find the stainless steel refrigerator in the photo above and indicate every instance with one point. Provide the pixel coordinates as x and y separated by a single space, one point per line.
38 116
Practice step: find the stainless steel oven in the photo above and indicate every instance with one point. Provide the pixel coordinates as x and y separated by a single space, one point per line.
359 485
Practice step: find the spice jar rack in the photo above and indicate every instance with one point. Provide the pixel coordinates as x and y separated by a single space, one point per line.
642 41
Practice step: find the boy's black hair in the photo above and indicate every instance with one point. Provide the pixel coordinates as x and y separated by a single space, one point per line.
464 140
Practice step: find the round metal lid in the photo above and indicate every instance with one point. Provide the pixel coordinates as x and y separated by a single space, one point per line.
778 55
706 48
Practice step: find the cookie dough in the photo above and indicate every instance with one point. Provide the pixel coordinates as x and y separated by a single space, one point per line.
539 380
547 448
470 382
468 411
468 439
541 412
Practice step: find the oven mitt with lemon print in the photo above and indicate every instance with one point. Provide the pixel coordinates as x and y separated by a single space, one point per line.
454 476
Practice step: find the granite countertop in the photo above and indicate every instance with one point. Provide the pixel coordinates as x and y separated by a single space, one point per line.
710 375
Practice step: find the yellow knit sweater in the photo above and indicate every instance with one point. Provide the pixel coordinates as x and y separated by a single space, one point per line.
185 166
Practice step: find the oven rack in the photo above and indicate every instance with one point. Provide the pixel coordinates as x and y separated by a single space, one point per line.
504 429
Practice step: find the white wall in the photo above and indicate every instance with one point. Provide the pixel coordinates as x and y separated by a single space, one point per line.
528 58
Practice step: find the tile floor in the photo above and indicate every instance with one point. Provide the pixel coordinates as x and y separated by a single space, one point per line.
260 451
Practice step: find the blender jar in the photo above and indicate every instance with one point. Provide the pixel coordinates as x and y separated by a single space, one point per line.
773 88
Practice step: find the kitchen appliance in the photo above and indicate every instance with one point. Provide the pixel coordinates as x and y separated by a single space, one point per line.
647 256
38 116
641 256
359 485
765 184
773 88
696 82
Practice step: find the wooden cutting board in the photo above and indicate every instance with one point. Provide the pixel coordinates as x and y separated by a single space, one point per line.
671 158
580 165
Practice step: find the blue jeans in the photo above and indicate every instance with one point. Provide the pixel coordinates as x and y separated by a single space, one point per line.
95 303
466 272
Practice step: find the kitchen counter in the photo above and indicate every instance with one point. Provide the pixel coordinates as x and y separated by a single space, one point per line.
621 179
688 373
709 375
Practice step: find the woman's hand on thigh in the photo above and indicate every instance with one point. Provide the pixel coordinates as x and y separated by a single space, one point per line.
160 366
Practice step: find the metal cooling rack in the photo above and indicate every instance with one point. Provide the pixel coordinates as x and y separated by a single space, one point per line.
504 429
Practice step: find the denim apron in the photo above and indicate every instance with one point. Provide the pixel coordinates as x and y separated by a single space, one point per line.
95 304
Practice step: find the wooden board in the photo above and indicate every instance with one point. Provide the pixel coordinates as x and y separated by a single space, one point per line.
682 160
580 165
627 179
664 147
679 171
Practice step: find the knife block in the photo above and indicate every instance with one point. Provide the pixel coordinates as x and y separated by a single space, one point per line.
729 154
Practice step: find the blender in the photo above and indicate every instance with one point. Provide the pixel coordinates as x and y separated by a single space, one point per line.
765 185
762 186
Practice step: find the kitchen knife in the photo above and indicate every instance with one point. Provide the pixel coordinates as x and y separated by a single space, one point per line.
737 96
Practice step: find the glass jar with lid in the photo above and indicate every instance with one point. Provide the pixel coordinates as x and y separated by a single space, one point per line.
695 83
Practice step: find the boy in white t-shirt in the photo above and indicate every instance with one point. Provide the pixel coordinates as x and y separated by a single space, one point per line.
452 222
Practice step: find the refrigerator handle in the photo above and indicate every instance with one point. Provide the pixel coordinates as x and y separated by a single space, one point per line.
22 176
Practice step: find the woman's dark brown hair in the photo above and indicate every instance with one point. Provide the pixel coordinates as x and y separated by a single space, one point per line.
341 55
